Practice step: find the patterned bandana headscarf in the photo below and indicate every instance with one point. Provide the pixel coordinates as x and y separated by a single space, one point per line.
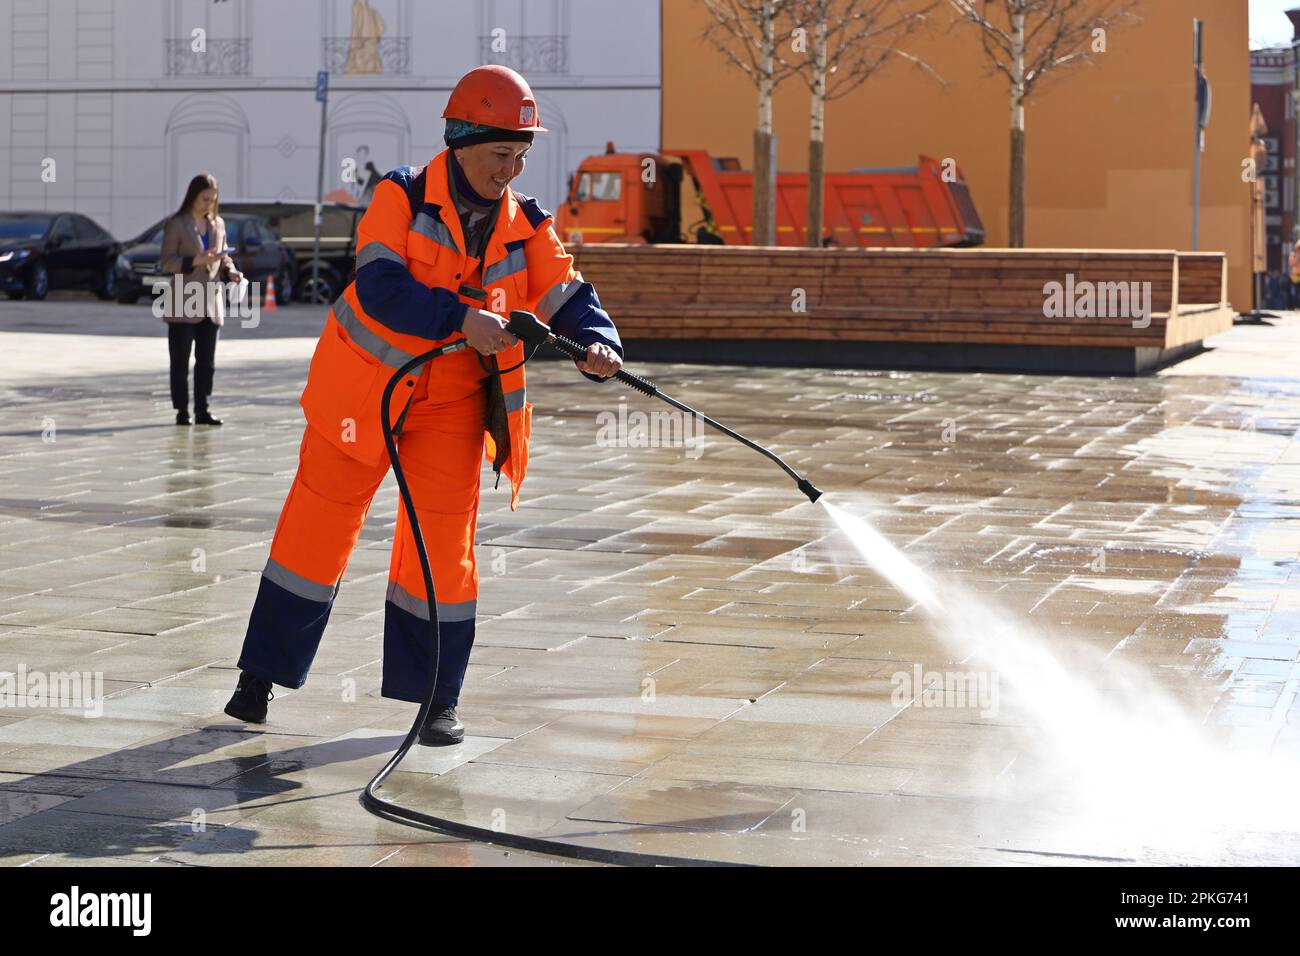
464 133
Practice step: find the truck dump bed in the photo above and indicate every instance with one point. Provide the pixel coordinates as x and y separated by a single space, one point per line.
910 207
694 197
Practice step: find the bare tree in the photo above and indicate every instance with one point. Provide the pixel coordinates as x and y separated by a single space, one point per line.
1251 174
747 34
1026 40
850 41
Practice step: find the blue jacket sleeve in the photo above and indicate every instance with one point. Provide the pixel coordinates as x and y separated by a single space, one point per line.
390 294
582 319
385 287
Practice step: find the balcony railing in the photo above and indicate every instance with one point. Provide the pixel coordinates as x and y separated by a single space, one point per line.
220 58
527 54
366 56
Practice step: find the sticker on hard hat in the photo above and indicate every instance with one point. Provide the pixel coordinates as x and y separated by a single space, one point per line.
525 115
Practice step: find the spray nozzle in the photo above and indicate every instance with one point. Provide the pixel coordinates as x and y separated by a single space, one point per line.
809 489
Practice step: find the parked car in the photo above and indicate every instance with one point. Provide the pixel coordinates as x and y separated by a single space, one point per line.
40 251
259 255
293 222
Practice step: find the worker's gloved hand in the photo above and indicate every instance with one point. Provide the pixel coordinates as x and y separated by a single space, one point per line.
601 360
486 332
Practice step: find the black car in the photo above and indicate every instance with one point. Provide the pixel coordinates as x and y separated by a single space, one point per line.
40 251
294 222
259 255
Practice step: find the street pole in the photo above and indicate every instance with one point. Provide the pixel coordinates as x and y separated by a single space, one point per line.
1196 144
1292 181
322 96
1202 87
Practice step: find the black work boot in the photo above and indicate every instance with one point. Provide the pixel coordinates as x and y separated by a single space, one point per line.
442 728
248 703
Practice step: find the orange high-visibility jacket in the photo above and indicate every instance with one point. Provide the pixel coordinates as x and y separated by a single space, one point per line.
409 296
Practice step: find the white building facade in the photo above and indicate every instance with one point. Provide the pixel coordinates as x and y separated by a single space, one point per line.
109 107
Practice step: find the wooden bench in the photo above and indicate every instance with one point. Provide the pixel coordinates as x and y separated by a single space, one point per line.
923 308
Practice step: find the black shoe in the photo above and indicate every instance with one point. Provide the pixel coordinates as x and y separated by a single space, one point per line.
442 728
205 418
182 417
249 700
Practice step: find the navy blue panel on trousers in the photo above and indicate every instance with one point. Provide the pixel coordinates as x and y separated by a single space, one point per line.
284 631
407 644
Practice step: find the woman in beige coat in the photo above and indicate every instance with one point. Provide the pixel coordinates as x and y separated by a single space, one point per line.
194 251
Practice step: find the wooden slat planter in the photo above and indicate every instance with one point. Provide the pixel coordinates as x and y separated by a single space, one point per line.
938 308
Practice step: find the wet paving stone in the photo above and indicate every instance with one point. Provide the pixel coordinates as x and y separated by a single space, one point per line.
676 652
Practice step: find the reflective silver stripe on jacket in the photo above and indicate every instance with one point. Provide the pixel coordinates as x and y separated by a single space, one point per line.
390 355
297 584
558 294
434 229
515 262
374 250
448 611
515 400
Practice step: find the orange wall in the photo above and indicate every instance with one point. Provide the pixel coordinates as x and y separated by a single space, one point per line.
1109 145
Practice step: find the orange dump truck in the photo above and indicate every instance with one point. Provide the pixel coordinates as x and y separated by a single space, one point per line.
688 196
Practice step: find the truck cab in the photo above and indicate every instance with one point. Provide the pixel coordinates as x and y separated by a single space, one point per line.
623 197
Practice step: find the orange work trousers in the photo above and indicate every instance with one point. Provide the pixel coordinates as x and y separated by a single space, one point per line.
440 446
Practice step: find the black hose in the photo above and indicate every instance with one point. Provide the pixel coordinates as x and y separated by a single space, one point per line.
399 814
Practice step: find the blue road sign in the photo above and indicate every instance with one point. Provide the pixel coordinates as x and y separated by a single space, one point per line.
322 85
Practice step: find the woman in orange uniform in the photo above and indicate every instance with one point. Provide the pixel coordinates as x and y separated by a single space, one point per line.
444 252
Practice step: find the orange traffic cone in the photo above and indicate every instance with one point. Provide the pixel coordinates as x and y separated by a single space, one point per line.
269 305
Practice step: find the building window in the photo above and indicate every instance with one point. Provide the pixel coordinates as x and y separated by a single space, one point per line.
530 36
366 37
220 29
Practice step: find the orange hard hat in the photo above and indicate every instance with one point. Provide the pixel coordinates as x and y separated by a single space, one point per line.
495 96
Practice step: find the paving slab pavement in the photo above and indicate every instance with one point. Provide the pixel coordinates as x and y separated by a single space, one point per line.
677 653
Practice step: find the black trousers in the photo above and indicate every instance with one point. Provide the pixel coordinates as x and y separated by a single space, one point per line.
202 337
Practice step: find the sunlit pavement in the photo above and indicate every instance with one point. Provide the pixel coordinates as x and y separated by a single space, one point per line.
677 653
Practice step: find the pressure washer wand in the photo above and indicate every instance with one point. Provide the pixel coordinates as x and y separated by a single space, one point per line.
527 327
